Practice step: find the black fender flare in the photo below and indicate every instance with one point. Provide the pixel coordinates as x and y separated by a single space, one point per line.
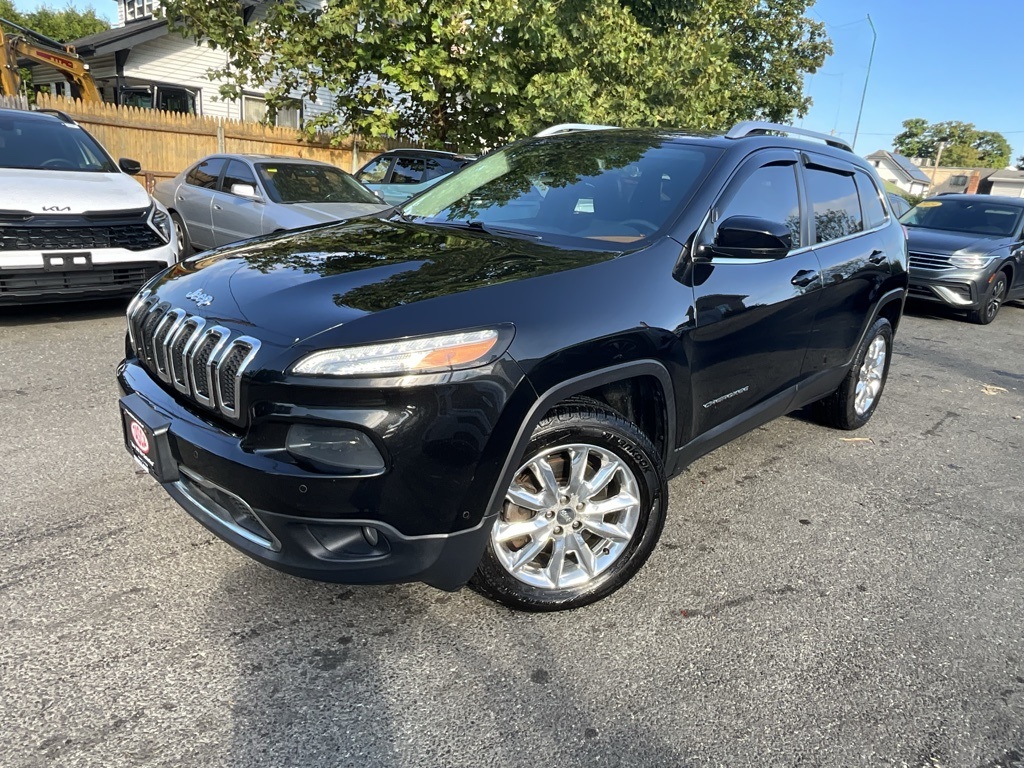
575 386
896 294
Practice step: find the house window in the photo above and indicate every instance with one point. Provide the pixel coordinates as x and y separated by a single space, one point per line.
958 181
254 110
138 9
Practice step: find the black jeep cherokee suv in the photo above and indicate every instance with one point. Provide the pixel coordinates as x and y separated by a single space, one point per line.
494 383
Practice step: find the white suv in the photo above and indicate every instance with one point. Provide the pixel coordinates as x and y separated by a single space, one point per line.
73 223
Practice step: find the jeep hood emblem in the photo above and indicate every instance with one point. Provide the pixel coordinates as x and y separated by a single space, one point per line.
201 299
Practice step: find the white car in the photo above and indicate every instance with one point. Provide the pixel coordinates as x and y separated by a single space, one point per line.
73 223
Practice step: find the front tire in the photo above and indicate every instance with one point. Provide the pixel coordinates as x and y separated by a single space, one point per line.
993 300
851 405
581 515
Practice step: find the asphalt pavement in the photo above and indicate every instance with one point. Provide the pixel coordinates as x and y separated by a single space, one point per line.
818 598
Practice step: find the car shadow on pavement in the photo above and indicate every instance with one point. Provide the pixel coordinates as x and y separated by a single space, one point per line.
44 314
407 675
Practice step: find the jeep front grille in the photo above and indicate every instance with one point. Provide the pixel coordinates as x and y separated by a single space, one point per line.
204 362
933 262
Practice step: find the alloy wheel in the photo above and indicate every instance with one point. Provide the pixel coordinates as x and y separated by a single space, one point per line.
569 515
869 382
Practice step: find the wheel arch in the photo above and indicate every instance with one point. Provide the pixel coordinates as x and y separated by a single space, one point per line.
607 385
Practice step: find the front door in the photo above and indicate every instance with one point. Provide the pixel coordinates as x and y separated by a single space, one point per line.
236 217
753 317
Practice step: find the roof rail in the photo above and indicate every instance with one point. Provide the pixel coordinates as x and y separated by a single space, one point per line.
571 127
759 128
64 117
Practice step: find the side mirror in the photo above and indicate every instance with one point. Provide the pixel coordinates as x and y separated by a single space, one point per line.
131 167
750 237
246 190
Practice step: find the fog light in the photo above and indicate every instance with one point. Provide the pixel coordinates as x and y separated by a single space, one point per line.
339 447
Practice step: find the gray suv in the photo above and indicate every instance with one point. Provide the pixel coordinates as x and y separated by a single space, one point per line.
967 251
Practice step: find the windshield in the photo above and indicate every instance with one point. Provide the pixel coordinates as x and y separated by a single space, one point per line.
305 183
978 217
50 145
605 186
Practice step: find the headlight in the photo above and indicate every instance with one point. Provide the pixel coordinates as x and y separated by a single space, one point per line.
430 353
971 262
161 223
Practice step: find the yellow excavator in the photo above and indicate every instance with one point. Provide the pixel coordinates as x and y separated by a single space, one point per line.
39 48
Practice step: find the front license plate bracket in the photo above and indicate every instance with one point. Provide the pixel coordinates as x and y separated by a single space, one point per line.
146 436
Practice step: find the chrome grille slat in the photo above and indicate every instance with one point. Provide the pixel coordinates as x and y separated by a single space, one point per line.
165 330
204 362
931 261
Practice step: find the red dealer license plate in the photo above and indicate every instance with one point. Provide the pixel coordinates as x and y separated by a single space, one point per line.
146 438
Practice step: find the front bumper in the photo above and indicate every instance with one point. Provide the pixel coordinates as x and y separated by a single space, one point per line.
424 519
960 289
35 286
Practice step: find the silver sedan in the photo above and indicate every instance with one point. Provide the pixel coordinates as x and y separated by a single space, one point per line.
225 198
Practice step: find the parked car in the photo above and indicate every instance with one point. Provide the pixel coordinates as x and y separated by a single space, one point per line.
898 204
495 382
226 198
401 173
73 223
967 252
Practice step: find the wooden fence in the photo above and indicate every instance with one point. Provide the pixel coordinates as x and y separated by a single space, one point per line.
165 143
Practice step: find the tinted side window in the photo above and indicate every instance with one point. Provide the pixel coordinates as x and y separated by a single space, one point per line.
433 168
870 201
206 173
408 170
374 171
834 201
238 173
770 193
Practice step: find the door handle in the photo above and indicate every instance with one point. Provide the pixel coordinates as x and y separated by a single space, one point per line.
180 197
877 257
804 277
216 207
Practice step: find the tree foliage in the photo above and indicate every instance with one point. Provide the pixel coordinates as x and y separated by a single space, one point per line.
964 145
61 24
474 73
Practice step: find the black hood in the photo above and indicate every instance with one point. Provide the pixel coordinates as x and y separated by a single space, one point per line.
944 242
294 285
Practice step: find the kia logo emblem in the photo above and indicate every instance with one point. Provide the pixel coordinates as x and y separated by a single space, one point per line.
139 437
201 299
56 208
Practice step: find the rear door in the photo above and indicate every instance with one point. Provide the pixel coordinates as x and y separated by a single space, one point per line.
194 200
852 254
234 217
753 317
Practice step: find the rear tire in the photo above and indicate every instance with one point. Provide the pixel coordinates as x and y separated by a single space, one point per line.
993 300
851 405
581 516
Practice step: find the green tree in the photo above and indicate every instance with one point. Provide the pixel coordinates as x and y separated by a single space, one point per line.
65 24
962 144
61 24
475 73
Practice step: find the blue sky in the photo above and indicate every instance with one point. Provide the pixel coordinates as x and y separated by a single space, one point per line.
936 59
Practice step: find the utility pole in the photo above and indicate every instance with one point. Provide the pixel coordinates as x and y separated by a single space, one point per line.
867 76
938 156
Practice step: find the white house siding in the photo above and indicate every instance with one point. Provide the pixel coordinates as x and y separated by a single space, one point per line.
1007 189
324 99
174 60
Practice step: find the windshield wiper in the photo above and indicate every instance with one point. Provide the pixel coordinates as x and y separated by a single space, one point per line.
490 229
